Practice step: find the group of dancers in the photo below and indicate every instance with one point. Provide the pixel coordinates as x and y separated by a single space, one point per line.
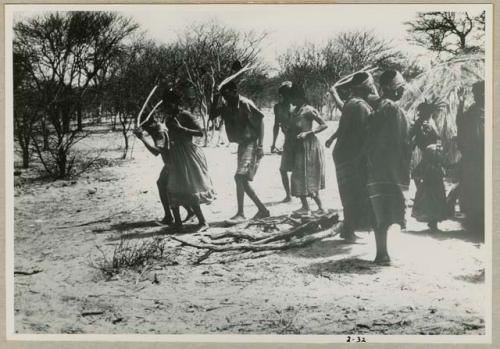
372 154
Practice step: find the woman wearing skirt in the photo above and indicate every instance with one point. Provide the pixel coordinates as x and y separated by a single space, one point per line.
308 174
430 199
189 183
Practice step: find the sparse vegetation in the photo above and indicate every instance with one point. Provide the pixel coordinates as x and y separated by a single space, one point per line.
130 255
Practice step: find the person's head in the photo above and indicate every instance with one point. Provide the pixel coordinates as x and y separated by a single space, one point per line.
297 95
284 91
478 91
172 100
425 110
363 85
392 84
230 92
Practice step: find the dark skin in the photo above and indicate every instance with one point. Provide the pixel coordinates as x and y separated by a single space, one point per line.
173 110
153 149
382 257
285 102
243 185
299 102
346 232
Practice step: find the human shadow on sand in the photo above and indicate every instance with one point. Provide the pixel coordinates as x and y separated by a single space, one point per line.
149 231
342 266
459 234
319 249
127 226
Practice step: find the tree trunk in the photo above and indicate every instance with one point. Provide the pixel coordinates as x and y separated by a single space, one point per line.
99 114
65 123
113 122
125 149
45 134
79 117
61 162
26 156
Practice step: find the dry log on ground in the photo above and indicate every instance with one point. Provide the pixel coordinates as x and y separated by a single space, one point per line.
235 235
257 248
324 222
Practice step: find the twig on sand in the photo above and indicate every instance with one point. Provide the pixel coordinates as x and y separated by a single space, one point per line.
235 235
31 272
94 312
203 257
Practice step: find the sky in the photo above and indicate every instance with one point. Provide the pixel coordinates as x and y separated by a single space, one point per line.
286 25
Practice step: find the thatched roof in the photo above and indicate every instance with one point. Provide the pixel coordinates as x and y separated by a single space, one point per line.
441 83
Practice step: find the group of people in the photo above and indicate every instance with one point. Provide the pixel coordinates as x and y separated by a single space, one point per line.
372 154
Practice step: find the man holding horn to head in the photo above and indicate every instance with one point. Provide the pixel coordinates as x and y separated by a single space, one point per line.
388 152
350 162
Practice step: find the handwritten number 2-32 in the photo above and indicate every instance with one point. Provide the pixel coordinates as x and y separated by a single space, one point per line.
355 339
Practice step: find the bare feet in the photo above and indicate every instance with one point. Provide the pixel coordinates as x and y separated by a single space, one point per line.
288 198
262 214
201 227
383 260
320 211
433 226
190 214
178 227
302 212
238 218
165 221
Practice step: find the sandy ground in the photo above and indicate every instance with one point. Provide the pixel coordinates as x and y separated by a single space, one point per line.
435 285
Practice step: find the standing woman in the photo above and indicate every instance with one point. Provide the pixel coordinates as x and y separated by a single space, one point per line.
430 199
348 155
189 183
308 174
388 151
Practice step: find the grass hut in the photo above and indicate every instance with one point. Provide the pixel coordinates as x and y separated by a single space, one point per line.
441 84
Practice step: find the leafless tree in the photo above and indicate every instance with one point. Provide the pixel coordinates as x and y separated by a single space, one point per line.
64 54
208 50
448 32
318 67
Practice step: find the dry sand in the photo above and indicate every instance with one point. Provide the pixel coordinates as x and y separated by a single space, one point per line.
435 285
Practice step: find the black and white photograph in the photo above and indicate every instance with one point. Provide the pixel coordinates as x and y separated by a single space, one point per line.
249 172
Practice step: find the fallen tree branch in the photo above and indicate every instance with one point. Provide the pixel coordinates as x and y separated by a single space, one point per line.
234 247
235 235
322 223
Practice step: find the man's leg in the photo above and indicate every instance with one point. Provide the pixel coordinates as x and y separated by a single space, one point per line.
382 256
202 223
240 198
263 211
177 216
317 199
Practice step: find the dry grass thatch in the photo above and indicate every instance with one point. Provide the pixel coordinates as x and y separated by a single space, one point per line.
441 83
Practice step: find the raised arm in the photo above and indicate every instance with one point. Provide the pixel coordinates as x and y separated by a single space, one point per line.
153 148
340 103
214 107
188 125
276 129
